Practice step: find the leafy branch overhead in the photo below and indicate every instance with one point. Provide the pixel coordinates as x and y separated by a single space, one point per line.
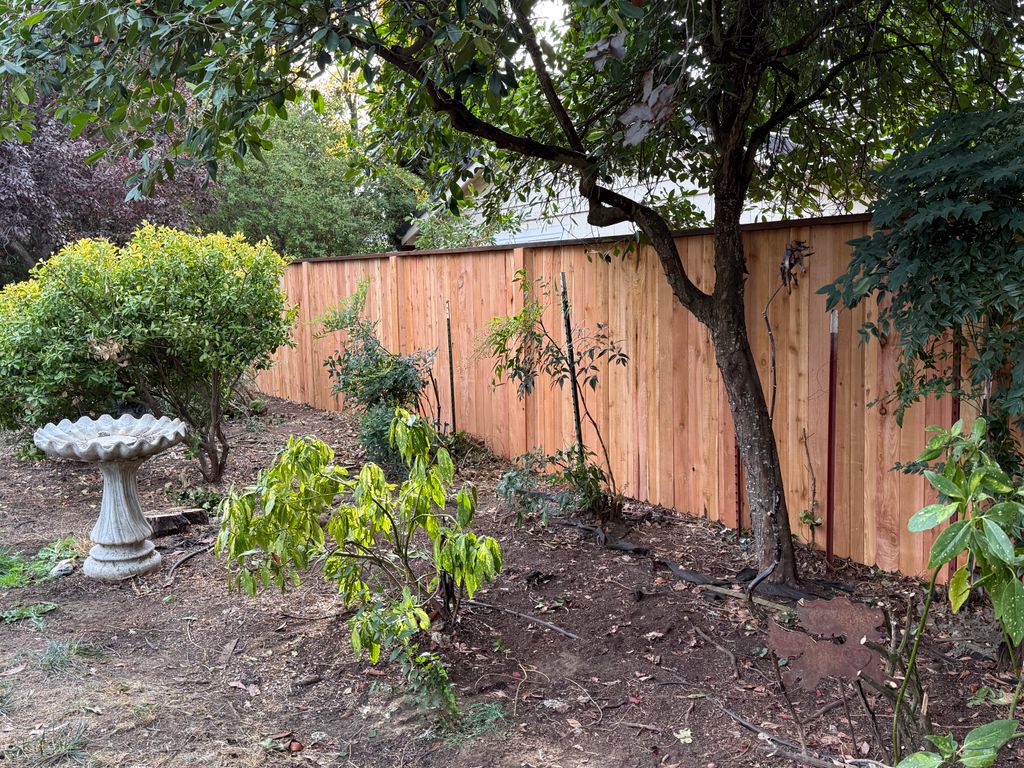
944 264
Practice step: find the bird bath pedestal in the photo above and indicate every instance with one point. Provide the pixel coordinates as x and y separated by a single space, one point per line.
121 535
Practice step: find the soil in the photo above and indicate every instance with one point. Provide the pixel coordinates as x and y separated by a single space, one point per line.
183 672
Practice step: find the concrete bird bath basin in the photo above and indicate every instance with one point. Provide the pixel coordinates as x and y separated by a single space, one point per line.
118 446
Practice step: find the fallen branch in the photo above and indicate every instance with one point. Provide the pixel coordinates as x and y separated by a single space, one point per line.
732 656
787 749
598 707
606 540
526 616
743 596
640 726
184 559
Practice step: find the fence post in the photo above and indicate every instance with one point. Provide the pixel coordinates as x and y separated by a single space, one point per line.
570 353
451 363
833 377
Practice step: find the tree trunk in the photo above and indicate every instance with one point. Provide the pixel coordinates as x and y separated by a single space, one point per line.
762 474
754 435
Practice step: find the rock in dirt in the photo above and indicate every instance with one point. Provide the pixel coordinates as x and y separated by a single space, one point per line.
556 705
63 568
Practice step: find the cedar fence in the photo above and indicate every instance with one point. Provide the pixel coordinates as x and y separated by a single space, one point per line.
665 415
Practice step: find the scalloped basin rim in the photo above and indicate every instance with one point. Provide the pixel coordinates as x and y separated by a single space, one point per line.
108 439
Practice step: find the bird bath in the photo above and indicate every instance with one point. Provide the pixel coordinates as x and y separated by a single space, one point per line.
121 535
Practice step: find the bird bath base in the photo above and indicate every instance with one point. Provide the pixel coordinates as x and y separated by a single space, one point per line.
121 535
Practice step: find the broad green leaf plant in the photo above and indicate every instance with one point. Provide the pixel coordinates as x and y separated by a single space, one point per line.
399 554
985 537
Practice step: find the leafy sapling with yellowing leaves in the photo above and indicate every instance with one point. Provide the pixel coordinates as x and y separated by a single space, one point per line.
397 553
986 536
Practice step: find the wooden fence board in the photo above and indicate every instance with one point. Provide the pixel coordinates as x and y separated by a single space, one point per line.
664 416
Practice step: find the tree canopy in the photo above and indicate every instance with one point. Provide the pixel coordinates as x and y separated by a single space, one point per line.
307 197
946 260
50 196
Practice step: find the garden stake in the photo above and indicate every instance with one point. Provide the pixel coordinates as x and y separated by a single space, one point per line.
833 375
451 362
955 417
571 356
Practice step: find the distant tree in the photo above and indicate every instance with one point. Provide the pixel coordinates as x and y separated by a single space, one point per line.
945 264
783 101
306 195
50 196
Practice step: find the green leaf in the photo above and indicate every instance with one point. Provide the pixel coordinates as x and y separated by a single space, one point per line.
944 485
931 516
950 543
981 746
998 542
1004 513
1011 609
978 758
995 734
959 588
945 743
920 760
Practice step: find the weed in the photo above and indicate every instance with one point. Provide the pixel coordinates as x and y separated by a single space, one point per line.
28 451
499 645
200 496
32 613
476 721
65 744
18 571
144 714
60 655
6 698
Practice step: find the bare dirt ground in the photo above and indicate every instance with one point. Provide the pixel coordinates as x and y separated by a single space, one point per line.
168 674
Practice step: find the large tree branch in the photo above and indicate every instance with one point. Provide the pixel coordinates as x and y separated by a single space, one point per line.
544 77
608 207
814 29
792 105
463 118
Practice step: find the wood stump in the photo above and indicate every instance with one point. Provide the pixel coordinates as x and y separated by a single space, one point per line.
172 521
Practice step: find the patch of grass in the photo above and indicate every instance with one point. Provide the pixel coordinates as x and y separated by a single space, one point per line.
476 721
60 655
32 613
6 698
64 745
16 570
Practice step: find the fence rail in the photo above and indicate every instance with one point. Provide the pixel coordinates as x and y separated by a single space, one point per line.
664 415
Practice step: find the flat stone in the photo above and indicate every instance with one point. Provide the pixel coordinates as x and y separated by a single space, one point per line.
63 568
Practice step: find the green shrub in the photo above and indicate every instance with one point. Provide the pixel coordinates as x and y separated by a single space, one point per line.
375 438
362 369
170 321
372 378
396 552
